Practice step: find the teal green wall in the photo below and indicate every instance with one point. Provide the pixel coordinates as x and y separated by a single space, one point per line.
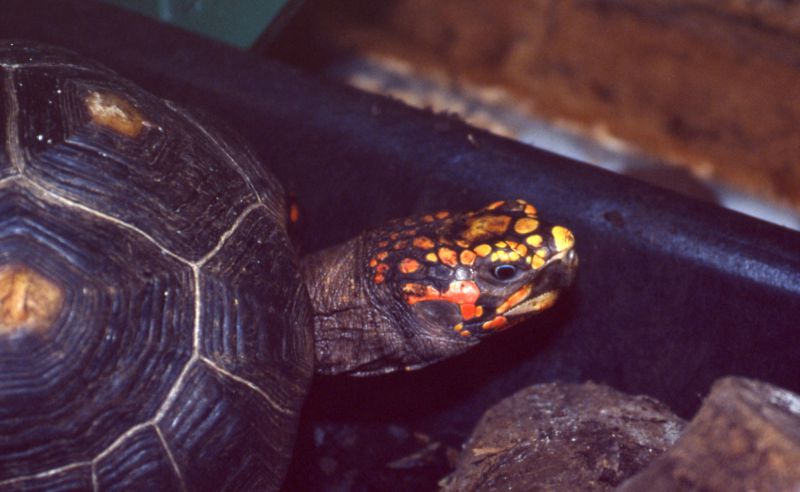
237 22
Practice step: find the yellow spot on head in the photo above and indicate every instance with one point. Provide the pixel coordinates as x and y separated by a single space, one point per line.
530 210
563 238
521 249
526 225
537 262
27 299
478 311
483 250
114 113
432 257
542 252
459 327
513 256
535 240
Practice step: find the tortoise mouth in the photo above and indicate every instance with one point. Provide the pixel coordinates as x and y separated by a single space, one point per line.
534 304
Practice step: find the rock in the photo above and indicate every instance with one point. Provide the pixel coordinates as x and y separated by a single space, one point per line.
745 437
563 437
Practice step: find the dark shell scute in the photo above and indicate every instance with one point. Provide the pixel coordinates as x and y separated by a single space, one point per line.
125 329
171 181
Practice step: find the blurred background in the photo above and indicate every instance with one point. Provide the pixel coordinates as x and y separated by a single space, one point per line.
700 96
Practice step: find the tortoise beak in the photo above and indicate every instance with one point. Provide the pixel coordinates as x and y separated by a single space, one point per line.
554 277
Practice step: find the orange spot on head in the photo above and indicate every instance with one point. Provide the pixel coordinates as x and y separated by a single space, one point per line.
409 232
521 249
537 262
373 262
495 323
530 210
382 255
464 333
423 242
427 219
483 250
409 265
478 311
463 244
409 222
378 278
393 236
514 299
459 327
495 205
382 268
383 244
442 214
467 257
526 225
400 245
448 256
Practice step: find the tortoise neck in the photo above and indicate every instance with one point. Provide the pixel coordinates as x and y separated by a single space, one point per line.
350 333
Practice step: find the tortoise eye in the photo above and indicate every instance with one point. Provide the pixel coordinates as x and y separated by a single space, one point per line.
504 272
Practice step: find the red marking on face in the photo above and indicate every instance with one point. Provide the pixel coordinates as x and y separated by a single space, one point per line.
468 311
378 278
495 323
382 268
459 292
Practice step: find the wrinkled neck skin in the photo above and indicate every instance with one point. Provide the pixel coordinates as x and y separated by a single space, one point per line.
359 329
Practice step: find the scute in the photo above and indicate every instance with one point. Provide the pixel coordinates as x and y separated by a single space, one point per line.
183 350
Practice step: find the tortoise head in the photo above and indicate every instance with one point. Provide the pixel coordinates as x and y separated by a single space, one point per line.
470 275
421 289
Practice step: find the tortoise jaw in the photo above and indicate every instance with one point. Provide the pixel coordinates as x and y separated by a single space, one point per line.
534 304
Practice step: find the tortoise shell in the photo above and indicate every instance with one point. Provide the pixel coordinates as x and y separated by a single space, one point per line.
154 329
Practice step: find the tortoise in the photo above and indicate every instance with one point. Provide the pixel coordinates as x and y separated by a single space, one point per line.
156 327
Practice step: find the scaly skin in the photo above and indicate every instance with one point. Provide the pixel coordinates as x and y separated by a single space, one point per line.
424 288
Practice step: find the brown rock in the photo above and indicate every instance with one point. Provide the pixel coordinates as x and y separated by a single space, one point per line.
563 437
746 437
